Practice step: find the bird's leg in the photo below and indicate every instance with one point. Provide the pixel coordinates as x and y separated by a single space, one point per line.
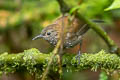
79 52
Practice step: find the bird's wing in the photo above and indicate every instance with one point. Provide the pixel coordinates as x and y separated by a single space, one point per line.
85 27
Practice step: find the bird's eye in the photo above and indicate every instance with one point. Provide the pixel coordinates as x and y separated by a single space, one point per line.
48 33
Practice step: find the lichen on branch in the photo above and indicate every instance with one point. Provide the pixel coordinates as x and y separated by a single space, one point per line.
33 60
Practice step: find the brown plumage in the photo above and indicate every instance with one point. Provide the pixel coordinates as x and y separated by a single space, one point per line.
73 31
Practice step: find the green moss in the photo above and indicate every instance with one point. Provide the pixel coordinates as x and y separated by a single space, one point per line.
35 62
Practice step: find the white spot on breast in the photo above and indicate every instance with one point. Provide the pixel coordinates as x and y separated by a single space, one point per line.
67 36
69 43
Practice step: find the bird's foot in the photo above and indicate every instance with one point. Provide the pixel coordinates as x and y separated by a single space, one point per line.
78 57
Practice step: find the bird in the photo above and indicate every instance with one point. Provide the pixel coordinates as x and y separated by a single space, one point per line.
73 31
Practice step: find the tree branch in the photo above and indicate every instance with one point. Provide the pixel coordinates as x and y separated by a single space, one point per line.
32 58
112 46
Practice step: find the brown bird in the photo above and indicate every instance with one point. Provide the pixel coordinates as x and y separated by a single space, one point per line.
73 31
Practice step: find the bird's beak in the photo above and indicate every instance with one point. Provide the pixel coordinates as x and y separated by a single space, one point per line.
39 36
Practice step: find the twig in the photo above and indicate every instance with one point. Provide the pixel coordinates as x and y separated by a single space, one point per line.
55 51
112 46
64 9
63 6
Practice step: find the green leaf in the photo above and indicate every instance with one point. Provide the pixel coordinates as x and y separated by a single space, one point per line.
115 5
92 8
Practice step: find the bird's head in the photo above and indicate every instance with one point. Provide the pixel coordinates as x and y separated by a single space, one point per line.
50 34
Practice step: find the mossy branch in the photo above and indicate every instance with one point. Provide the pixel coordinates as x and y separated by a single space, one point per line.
32 58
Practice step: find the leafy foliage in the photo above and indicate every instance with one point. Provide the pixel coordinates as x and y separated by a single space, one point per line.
115 5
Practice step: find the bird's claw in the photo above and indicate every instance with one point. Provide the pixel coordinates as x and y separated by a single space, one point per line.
78 57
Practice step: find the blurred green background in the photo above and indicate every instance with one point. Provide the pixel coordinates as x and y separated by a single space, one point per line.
21 20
